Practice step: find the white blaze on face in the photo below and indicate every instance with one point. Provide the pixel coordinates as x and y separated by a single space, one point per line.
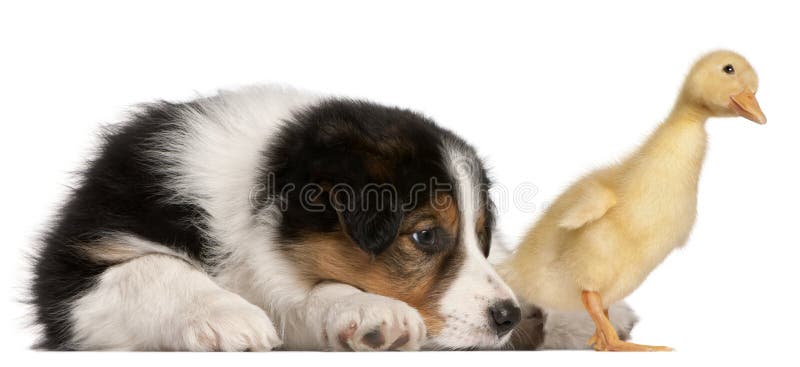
477 287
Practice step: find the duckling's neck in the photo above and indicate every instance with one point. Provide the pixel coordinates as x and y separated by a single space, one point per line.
685 113
674 153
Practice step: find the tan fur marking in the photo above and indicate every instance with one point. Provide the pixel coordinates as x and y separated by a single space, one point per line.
109 253
403 271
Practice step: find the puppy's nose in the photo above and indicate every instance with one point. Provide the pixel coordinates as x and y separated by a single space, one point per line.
505 315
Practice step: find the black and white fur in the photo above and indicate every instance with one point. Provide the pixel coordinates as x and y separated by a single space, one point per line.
165 245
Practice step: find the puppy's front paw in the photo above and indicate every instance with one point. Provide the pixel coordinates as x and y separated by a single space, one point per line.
369 322
226 322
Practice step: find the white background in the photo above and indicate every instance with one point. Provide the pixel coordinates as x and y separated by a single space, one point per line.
545 92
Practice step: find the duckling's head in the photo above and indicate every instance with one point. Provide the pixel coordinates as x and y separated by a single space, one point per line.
724 84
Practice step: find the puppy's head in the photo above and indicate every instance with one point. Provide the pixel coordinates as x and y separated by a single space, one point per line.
386 201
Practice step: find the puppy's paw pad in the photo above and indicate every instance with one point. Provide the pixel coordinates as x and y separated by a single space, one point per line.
374 339
374 323
400 342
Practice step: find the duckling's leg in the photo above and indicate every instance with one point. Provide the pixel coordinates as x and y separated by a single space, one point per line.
597 340
606 338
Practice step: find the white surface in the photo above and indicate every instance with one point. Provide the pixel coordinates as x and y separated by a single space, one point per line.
544 92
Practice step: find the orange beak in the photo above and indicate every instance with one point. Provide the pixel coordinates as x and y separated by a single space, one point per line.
746 105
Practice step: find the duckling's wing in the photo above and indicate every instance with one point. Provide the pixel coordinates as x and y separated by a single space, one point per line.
591 201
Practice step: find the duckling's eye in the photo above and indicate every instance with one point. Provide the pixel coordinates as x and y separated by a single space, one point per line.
728 69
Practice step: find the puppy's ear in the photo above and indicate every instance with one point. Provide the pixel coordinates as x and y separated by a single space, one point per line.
371 219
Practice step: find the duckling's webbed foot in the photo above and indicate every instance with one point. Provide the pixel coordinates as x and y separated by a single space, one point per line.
605 337
597 341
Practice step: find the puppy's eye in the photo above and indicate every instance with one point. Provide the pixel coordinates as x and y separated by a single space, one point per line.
427 239
728 69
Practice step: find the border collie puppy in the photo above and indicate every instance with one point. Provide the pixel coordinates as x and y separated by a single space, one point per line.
269 217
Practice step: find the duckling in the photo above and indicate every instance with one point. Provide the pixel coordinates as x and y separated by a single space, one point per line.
601 238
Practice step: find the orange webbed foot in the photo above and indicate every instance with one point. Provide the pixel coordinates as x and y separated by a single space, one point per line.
605 337
597 341
621 346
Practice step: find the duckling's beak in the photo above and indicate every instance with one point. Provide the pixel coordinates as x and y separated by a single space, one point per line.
746 105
